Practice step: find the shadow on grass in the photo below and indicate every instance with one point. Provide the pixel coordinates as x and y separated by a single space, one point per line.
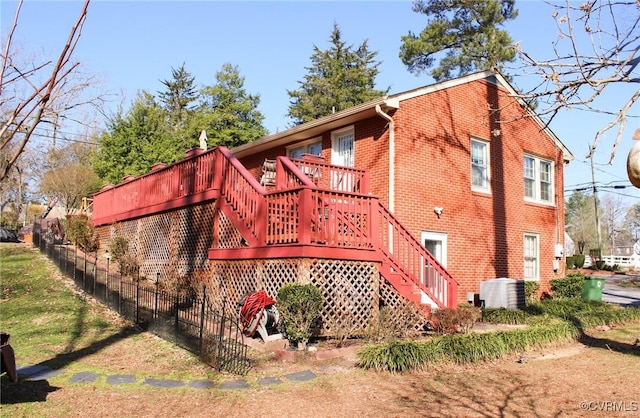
611 345
27 390
455 395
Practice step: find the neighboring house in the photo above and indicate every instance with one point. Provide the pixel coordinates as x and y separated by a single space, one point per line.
418 196
466 167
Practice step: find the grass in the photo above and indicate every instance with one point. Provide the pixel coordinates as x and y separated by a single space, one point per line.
53 325
44 317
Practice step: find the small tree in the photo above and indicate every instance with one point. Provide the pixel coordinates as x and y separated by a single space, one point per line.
299 305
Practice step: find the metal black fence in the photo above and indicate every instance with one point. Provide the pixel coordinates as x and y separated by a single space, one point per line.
189 321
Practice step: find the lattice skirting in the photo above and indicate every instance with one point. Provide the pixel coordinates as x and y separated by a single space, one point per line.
173 248
350 288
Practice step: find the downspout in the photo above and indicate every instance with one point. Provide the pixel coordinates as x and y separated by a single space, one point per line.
392 152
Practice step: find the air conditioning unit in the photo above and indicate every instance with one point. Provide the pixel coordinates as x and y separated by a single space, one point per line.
502 293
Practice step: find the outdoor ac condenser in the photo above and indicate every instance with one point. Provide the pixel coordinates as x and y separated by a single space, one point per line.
502 293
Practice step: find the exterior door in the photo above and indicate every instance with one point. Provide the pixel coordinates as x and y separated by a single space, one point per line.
342 154
436 244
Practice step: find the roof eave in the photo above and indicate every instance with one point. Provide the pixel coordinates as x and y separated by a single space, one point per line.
316 127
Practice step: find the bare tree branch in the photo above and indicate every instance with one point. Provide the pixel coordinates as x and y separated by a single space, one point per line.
598 46
20 123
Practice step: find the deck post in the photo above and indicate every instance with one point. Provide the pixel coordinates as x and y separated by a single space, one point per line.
304 216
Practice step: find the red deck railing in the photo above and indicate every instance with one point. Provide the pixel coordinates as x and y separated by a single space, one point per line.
314 204
405 255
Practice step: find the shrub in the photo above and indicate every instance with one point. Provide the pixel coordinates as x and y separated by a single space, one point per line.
461 319
601 265
504 316
571 262
552 321
82 234
568 287
531 289
299 306
393 356
119 249
579 260
407 322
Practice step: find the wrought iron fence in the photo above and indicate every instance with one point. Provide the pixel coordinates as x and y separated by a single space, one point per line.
188 320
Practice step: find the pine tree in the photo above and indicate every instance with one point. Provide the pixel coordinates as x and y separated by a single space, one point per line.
339 77
135 141
465 31
227 112
180 96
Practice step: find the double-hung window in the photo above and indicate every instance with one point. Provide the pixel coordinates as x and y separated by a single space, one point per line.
479 165
313 147
538 179
531 256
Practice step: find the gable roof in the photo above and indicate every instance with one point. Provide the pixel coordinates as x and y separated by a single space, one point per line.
365 110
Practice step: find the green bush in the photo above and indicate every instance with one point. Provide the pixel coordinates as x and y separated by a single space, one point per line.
504 316
531 289
601 265
299 306
568 287
553 321
571 262
393 356
80 231
579 260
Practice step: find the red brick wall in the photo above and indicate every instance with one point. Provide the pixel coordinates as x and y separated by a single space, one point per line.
485 232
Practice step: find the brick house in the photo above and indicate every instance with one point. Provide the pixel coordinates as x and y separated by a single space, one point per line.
415 197
467 168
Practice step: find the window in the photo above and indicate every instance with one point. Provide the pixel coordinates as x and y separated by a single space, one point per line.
436 244
479 165
342 148
538 179
531 256
313 147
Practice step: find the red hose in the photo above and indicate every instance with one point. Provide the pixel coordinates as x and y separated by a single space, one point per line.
253 306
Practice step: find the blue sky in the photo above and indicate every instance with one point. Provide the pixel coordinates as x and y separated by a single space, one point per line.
132 45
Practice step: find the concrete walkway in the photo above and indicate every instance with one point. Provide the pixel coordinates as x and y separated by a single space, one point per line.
38 372
624 296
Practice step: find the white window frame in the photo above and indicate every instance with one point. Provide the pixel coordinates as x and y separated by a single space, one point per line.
305 145
531 252
336 158
437 236
535 176
483 165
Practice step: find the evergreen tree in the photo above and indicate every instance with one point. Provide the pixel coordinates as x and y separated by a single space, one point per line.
465 31
136 141
179 98
227 112
339 77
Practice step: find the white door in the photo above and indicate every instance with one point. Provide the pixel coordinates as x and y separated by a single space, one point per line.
342 154
436 244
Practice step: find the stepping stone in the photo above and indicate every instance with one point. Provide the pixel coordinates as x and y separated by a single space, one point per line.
162 383
235 384
84 377
120 379
38 372
202 384
302 376
31 370
266 381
